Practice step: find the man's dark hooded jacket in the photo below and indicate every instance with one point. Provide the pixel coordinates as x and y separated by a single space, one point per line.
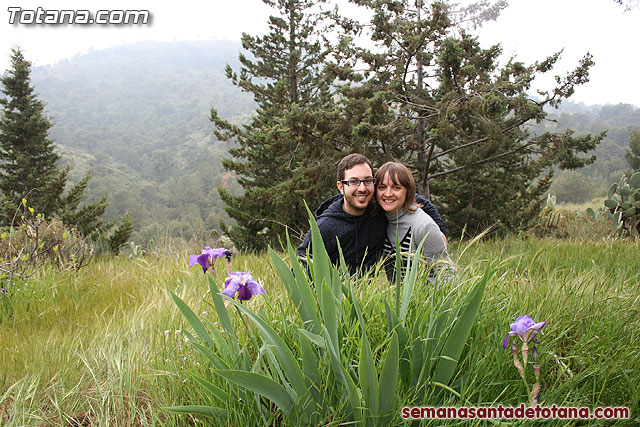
361 237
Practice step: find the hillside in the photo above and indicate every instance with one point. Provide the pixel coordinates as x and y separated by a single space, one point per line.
137 117
594 180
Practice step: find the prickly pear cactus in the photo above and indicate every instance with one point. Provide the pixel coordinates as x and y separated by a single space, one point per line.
623 205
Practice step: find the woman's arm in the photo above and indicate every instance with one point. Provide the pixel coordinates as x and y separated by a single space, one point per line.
434 246
433 213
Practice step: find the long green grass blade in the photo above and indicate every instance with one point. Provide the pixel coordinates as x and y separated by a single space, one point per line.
322 268
213 389
329 314
287 278
280 349
389 382
316 339
433 342
304 401
437 327
221 342
417 359
311 367
358 310
309 304
367 377
261 385
337 290
460 332
343 264
393 325
274 367
193 320
207 411
413 264
343 376
221 310
213 358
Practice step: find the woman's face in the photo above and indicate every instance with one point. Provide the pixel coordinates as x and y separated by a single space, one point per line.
391 196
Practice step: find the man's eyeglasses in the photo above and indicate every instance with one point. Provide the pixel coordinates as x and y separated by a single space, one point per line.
356 182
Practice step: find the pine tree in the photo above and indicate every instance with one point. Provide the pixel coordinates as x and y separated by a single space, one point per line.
288 152
121 234
437 101
87 218
29 161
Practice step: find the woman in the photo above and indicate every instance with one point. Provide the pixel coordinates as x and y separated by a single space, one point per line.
408 224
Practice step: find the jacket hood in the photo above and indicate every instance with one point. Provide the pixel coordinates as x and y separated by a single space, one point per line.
332 207
324 207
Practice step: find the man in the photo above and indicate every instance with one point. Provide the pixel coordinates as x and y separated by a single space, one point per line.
351 218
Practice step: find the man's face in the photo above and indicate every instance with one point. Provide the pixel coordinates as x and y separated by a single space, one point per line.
356 197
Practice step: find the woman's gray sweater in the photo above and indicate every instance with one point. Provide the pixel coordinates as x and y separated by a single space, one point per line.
409 229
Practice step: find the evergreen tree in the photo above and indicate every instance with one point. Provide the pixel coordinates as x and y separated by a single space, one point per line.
288 152
437 101
29 161
633 154
87 218
121 234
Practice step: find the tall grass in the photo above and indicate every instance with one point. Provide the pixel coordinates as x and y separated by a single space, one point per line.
589 293
106 346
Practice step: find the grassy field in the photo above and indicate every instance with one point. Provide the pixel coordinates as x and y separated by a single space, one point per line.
106 346
594 204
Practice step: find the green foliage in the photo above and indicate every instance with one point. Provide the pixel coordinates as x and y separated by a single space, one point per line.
286 154
574 187
633 155
166 163
308 369
623 204
27 154
464 123
434 99
29 160
36 242
121 234
143 132
87 219
573 225
106 346
591 181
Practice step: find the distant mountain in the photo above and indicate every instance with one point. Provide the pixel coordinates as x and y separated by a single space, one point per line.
594 180
137 116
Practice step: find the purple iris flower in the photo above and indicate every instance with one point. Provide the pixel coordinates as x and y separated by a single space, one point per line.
243 284
208 257
524 328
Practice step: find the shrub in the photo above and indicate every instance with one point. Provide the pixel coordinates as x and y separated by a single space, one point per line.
568 224
34 241
623 204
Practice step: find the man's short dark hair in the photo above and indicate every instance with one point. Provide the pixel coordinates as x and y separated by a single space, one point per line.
350 161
